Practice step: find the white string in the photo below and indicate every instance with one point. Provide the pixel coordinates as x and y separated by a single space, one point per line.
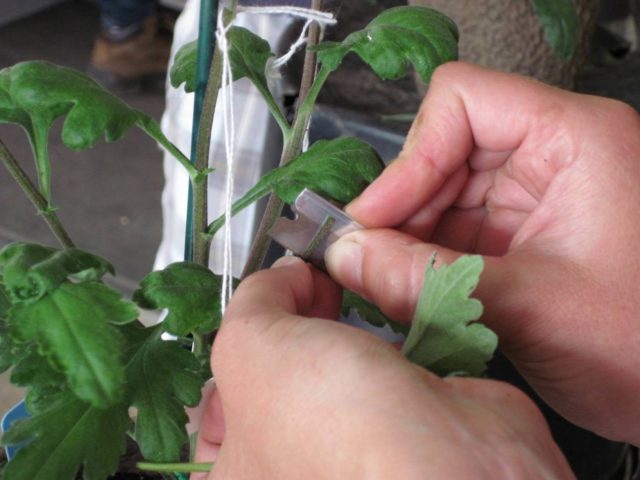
302 39
226 97
323 18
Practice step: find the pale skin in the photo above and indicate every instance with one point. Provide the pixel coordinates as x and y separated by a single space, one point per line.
542 183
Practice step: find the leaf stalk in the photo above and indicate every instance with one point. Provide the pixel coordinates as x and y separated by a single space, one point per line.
175 467
37 199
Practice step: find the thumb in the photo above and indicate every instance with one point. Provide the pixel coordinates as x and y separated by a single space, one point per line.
387 267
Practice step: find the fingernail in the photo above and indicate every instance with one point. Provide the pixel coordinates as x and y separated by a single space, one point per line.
344 262
286 261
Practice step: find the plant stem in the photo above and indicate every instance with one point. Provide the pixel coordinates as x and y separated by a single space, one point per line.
292 148
175 467
202 241
152 128
36 198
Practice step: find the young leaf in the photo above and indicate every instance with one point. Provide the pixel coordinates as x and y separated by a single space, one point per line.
183 69
31 271
162 377
72 327
396 38
368 312
248 54
190 291
444 336
66 437
338 169
559 19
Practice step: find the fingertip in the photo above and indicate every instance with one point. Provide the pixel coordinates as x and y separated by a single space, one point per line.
287 261
344 261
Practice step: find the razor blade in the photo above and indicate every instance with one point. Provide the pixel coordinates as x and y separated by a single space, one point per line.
318 224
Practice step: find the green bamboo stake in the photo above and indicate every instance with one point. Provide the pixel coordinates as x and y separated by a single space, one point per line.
206 46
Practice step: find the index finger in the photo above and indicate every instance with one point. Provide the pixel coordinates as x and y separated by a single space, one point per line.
467 109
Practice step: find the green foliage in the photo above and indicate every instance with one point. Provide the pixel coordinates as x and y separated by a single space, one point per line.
368 312
184 65
248 55
559 19
338 169
71 435
74 327
444 336
191 292
9 353
34 94
31 271
162 377
400 36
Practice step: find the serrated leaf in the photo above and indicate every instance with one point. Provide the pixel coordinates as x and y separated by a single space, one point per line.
184 67
559 19
445 336
162 378
31 271
397 38
190 291
338 169
45 384
33 94
73 327
9 352
69 436
368 312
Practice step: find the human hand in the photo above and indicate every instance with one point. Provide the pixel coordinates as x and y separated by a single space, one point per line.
545 184
310 398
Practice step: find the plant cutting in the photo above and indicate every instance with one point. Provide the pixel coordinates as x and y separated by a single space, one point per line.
75 343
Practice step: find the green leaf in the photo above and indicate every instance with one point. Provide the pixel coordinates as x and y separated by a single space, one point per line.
71 326
368 312
9 352
162 377
184 65
248 55
445 337
338 169
190 291
33 94
66 437
31 271
398 37
45 384
559 19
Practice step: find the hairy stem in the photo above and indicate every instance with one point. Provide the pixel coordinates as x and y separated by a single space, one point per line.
36 198
202 242
292 148
152 128
175 467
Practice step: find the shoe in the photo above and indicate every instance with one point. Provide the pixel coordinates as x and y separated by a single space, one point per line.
136 62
